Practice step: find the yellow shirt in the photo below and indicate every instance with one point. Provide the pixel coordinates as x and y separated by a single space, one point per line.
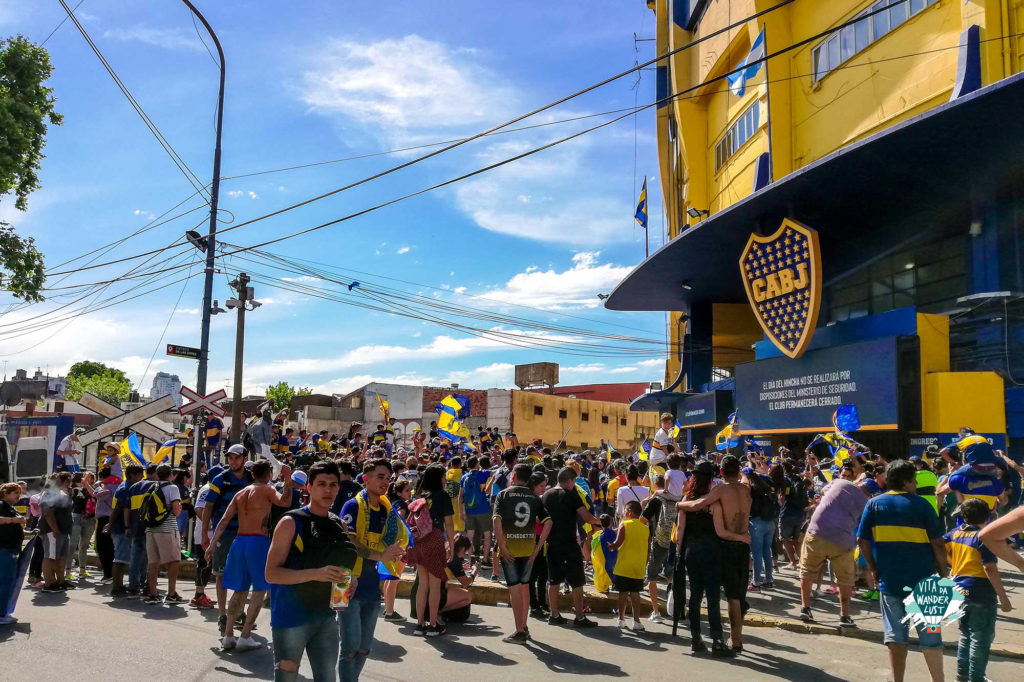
632 556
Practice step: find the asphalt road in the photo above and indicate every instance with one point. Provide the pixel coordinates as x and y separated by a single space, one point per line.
84 636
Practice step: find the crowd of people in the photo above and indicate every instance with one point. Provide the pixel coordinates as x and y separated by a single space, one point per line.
329 525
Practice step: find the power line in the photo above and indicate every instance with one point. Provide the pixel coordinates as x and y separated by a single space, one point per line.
190 176
170 317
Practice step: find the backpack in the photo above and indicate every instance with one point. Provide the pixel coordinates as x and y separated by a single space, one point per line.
154 509
764 505
420 522
798 494
324 542
666 521
473 494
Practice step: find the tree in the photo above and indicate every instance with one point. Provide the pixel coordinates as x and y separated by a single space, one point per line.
90 368
282 394
110 386
26 106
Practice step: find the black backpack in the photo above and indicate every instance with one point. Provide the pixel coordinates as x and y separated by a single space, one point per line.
324 543
154 509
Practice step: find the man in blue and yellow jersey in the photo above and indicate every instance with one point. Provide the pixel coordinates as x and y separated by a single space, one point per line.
900 538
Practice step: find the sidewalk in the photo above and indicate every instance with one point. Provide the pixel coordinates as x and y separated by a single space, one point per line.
778 608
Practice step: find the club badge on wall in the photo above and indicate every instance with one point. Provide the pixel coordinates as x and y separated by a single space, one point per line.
782 277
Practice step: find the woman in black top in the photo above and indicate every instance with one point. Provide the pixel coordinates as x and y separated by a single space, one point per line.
12 534
698 543
442 512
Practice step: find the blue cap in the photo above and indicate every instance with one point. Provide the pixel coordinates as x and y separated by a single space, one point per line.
747 470
299 477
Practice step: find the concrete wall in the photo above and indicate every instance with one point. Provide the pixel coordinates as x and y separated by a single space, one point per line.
406 402
547 417
499 408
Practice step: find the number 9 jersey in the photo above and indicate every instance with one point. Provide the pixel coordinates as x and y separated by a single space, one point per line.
519 510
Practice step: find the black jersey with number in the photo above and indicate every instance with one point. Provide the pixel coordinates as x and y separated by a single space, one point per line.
519 510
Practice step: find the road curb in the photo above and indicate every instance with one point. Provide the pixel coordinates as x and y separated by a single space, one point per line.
490 594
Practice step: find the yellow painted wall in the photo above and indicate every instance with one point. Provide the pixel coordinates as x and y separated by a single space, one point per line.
549 425
958 399
905 73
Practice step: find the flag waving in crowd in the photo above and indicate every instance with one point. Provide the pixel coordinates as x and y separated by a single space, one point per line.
729 437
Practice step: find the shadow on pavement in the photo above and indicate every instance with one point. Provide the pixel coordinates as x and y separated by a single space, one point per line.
560 661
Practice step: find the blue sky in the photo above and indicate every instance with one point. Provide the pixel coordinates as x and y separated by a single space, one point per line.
319 80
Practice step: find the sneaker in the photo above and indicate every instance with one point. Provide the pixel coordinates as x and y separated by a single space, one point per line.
753 587
240 621
655 617
557 620
517 638
421 629
68 585
174 598
107 579
133 593
737 648
538 613
637 626
584 622
622 624
437 630
394 617
228 643
83 574
118 593
698 646
152 599
247 644
832 589
719 650
770 585
8 620
846 622
486 563
52 589
806 615
200 601
37 584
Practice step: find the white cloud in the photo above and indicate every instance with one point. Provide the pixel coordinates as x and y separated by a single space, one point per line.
168 39
576 287
238 193
459 290
143 214
302 278
253 195
405 86
403 250
235 193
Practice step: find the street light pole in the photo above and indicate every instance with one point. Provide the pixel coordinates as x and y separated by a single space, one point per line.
211 249
241 285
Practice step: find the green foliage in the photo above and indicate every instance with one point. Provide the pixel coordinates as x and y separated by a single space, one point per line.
282 394
90 368
110 386
22 272
26 107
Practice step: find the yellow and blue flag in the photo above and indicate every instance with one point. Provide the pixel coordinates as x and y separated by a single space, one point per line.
450 415
603 559
131 452
729 437
165 453
676 430
645 449
384 407
641 206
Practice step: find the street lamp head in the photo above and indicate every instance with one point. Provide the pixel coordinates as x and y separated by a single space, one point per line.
197 240
216 309
231 303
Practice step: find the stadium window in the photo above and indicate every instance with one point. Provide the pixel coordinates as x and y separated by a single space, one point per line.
842 45
562 414
738 134
604 419
584 416
538 411
622 422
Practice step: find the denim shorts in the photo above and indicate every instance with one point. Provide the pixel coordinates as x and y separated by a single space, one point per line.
898 632
517 571
122 548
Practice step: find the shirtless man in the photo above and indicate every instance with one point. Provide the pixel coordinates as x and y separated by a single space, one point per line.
734 497
247 559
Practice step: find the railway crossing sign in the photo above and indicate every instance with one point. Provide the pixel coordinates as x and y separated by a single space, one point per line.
120 420
208 402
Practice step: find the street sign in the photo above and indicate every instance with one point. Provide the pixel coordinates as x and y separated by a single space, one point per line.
208 402
120 420
183 351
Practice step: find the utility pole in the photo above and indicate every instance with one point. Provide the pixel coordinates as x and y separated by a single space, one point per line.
211 250
245 294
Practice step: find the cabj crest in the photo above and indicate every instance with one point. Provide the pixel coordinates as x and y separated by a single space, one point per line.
782 277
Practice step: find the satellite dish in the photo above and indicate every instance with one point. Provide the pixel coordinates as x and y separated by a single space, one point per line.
10 393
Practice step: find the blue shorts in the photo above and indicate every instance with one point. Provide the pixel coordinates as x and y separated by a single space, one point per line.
898 632
247 564
122 548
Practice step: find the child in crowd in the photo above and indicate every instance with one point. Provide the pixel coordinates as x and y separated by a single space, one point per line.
631 543
974 570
